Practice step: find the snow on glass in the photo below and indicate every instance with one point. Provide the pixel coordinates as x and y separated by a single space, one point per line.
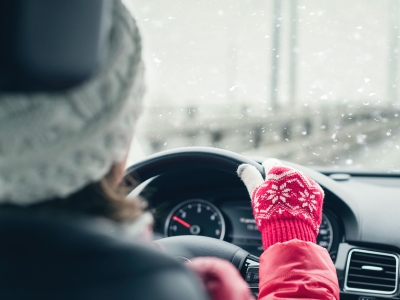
293 80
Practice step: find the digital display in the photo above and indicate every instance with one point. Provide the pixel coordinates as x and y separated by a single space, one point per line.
244 231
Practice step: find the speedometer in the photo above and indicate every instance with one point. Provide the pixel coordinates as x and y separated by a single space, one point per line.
195 217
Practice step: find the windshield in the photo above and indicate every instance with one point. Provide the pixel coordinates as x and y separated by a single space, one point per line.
312 82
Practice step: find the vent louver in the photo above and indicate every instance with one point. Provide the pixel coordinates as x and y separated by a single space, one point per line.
371 272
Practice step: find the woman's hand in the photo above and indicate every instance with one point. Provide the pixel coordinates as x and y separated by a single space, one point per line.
286 205
220 278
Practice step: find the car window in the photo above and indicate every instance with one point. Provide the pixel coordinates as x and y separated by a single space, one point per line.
313 82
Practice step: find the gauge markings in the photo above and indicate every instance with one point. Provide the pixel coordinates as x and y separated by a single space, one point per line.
325 236
195 217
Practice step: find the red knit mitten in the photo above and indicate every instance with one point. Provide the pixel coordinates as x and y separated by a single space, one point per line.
286 205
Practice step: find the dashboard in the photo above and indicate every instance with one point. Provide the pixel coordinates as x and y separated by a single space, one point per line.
220 207
360 227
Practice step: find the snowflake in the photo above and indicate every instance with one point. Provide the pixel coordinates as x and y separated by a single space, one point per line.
278 193
309 200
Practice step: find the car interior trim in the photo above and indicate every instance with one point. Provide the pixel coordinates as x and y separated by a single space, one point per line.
372 291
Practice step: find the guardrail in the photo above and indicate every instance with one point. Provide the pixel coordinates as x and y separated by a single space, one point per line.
319 134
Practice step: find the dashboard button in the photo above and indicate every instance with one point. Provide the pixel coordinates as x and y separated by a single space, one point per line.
252 274
248 276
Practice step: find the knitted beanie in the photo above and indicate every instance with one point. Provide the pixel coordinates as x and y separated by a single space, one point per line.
53 144
286 205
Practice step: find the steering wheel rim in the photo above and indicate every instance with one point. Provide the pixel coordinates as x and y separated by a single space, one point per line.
187 247
189 158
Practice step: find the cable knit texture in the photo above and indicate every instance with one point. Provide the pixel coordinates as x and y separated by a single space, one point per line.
286 206
51 145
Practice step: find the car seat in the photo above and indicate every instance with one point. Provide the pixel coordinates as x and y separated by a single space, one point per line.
59 256
65 257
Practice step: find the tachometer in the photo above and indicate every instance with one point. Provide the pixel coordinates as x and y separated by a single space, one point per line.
325 236
195 217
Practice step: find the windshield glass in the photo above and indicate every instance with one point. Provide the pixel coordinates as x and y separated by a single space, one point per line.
312 82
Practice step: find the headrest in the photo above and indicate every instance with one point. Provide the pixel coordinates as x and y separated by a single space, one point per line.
51 45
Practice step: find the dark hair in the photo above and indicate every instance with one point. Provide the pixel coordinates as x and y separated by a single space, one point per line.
99 199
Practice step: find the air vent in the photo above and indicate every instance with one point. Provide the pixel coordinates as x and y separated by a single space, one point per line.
371 272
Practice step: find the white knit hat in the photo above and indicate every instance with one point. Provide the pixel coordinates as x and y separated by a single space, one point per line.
52 145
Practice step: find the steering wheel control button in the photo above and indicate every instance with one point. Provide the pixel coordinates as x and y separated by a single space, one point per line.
252 274
195 217
248 276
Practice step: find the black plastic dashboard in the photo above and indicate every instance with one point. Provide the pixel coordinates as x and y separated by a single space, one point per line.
227 196
363 211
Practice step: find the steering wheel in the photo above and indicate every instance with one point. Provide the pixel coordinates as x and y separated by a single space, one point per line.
188 159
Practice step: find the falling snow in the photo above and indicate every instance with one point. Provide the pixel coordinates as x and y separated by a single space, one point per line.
324 95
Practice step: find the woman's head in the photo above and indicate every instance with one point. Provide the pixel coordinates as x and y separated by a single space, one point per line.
53 146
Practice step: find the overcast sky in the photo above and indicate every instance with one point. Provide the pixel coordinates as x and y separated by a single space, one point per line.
216 51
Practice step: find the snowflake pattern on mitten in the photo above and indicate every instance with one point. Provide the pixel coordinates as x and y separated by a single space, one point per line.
287 205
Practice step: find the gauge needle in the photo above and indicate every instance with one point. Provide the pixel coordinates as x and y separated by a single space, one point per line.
179 220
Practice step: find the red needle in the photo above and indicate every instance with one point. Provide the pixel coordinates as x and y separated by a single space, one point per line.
179 220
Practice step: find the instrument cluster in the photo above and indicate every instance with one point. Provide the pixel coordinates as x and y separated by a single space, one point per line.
233 222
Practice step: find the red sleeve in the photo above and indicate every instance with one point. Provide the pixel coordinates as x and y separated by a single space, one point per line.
297 269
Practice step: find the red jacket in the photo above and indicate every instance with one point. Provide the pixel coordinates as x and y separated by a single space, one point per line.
297 270
289 270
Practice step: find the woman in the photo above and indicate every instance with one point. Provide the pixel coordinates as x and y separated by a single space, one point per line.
66 152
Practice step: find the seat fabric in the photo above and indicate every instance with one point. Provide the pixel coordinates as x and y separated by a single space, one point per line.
64 257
